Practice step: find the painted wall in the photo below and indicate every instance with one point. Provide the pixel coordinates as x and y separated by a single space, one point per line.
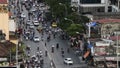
4 20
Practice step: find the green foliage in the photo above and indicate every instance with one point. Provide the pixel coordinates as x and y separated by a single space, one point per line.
64 24
48 16
84 19
21 48
58 11
78 19
74 28
13 50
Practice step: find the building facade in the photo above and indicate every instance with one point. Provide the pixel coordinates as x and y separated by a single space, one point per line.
92 6
4 27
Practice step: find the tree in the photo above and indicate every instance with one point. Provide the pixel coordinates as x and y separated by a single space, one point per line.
78 19
74 28
64 24
57 10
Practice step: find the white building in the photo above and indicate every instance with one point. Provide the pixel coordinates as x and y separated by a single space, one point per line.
91 6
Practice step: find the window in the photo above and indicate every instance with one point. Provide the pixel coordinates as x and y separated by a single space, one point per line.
90 1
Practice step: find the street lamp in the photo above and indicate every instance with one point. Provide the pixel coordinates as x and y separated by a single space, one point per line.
17 55
69 20
19 44
65 8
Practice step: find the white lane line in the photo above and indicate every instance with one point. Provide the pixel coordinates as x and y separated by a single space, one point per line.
47 51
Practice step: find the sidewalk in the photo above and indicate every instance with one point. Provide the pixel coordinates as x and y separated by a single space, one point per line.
84 65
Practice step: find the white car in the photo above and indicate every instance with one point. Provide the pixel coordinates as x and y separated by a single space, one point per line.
36 39
36 22
31 26
23 15
33 9
28 22
68 61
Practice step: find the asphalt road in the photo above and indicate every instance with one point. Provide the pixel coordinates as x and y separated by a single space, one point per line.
56 56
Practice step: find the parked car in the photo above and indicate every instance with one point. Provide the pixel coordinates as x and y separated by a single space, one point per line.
68 61
36 39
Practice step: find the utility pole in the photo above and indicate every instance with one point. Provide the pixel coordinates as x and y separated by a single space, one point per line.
117 53
118 5
106 5
17 55
78 5
10 55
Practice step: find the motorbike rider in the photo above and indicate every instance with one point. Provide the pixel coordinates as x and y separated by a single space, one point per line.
46 53
57 45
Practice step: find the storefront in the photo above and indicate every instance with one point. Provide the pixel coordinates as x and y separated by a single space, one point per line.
4 62
102 48
109 61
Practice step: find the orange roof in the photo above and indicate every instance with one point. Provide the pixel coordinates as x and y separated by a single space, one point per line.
107 20
3 1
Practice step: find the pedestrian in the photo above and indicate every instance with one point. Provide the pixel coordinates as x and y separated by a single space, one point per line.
52 48
42 38
37 48
68 50
45 43
57 45
54 36
46 53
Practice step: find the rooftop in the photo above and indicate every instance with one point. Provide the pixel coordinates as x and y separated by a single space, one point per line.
102 21
3 1
5 47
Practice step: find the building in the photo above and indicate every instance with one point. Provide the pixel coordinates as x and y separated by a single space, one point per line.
108 26
92 6
7 24
4 29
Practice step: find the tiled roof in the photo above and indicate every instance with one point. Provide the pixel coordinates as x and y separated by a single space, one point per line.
5 47
107 21
3 1
114 38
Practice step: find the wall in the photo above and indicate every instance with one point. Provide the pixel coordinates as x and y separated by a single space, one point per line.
4 24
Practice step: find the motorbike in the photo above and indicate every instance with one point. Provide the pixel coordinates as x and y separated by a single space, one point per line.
46 53
63 55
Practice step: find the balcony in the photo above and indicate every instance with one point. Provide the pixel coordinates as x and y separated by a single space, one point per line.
13 37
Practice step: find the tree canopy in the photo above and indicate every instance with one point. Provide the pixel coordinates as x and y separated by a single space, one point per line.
59 12
74 28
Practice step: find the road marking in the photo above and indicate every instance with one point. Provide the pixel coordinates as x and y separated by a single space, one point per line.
47 50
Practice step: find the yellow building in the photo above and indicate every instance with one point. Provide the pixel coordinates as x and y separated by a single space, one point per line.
6 23
4 18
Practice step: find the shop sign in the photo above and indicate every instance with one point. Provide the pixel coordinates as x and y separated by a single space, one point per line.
110 58
3 59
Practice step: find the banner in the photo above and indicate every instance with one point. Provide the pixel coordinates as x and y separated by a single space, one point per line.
86 54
